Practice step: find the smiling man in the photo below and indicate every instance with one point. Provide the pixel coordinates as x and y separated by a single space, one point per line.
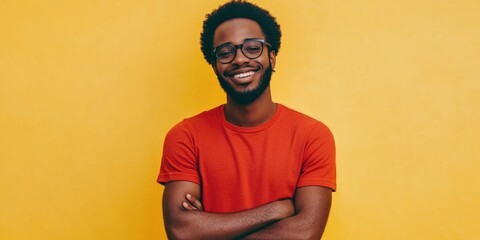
250 168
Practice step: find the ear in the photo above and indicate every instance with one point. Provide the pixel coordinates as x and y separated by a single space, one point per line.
273 58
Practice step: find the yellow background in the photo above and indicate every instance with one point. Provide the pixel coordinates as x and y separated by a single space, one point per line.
88 90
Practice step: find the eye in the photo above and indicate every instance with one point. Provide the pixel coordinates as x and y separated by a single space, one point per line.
224 54
252 49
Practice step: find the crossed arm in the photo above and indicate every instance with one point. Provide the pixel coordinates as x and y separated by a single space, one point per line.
304 218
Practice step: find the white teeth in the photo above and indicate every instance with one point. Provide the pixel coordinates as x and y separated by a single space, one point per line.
243 75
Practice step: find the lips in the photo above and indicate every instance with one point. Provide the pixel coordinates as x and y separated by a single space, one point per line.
242 76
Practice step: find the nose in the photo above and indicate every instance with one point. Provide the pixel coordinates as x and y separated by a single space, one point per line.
239 58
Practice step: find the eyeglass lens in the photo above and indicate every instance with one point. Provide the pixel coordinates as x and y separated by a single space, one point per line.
251 49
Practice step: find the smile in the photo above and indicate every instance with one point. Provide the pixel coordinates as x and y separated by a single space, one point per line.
243 78
243 75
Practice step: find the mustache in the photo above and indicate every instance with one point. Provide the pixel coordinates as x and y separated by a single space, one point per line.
245 66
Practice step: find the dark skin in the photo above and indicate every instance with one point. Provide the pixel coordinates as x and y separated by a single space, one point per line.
308 222
303 217
184 224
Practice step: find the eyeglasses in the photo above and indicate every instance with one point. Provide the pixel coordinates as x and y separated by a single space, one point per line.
251 48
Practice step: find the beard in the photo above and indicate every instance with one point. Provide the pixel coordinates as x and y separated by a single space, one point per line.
247 97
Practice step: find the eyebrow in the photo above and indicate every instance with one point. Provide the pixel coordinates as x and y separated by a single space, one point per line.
244 40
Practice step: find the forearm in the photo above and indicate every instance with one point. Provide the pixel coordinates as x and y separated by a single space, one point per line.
312 206
288 228
203 225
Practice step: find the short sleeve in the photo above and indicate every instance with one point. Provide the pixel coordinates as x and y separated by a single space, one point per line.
179 161
318 167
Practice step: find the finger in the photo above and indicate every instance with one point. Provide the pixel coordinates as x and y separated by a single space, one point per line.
188 207
195 202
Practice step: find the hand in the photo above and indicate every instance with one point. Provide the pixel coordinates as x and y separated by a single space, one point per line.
192 203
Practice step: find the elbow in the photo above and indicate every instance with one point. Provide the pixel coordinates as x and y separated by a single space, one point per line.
175 234
178 229
178 233
307 234
313 233
309 230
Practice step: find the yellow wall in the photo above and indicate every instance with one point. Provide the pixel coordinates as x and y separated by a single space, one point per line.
88 90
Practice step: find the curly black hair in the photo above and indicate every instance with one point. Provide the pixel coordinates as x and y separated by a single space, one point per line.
238 9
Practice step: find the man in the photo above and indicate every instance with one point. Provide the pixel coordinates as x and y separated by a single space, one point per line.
250 168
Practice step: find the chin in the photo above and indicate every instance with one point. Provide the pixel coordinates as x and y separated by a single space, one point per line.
250 95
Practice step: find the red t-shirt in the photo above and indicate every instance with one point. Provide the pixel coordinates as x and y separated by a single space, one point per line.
239 168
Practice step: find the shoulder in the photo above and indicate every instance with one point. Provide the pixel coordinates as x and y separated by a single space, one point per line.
303 121
199 122
206 117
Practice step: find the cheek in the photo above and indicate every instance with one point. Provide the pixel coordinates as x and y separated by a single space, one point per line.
215 69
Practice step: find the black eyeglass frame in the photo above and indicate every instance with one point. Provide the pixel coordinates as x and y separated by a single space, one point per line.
240 46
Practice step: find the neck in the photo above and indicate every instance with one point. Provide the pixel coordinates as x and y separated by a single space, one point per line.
253 114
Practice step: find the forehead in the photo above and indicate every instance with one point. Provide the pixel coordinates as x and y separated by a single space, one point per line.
236 31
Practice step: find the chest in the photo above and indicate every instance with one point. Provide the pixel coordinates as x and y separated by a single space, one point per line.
249 164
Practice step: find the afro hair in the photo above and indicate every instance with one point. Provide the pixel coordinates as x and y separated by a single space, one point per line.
238 9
